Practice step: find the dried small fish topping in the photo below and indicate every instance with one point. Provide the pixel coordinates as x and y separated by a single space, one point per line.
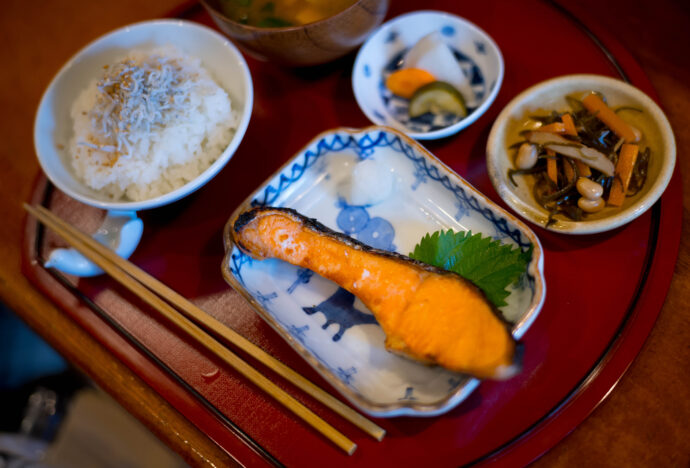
134 97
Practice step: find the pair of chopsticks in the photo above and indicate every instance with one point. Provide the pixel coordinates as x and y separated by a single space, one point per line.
153 292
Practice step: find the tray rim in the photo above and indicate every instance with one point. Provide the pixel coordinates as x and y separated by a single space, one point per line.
529 444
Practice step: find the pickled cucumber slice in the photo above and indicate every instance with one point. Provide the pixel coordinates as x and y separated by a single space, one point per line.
437 97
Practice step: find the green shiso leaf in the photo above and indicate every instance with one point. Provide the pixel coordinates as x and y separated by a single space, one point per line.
491 265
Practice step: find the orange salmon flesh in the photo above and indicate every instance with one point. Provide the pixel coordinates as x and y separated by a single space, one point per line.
432 316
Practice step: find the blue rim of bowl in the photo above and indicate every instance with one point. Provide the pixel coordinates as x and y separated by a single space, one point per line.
202 178
451 129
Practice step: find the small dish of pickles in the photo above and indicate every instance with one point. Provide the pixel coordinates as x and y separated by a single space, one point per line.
581 154
427 73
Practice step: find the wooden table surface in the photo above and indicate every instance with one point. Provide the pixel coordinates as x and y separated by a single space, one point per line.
643 422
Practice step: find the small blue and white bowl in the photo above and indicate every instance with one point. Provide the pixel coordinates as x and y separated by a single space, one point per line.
475 51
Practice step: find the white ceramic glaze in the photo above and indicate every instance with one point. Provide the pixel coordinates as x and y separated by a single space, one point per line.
53 127
550 95
476 52
331 329
121 232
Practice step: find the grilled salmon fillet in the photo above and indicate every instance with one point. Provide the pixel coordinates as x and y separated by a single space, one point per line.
428 314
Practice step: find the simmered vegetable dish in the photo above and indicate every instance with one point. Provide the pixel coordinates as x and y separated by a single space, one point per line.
583 159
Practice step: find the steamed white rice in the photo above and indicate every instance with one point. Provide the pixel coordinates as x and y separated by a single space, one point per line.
163 153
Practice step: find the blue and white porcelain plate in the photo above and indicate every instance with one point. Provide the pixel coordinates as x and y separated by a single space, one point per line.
475 51
408 193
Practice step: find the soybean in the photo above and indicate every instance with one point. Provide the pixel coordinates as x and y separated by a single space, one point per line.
526 157
590 206
589 189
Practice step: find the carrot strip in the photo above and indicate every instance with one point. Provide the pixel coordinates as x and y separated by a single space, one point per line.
552 166
569 124
569 171
406 81
583 169
596 106
555 127
624 169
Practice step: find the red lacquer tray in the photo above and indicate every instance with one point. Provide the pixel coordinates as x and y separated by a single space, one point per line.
604 291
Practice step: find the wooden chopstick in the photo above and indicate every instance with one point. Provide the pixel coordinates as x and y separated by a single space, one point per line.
92 250
198 315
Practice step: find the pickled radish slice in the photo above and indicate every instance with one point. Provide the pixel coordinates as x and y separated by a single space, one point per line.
432 54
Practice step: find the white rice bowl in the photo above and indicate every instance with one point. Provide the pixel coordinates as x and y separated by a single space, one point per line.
168 156
172 150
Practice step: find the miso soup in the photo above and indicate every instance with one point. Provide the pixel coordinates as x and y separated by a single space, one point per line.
281 13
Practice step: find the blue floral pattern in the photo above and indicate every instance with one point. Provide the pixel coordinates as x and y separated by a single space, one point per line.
366 145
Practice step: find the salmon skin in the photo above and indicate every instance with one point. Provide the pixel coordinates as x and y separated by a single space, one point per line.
427 313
